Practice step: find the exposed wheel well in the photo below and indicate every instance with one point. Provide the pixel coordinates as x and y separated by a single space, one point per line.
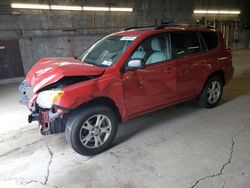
107 102
219 73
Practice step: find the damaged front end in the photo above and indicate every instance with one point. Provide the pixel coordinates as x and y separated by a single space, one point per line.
50 122
43 90
51 117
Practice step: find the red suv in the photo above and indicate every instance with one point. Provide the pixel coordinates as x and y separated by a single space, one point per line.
124 75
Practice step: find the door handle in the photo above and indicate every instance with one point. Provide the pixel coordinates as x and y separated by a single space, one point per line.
221 58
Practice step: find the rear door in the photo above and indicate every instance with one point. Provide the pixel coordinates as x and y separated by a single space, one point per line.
187 52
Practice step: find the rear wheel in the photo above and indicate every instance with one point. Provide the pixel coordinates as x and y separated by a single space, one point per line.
211 93
91 130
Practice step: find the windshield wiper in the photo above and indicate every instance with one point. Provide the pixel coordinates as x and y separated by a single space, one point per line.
95 64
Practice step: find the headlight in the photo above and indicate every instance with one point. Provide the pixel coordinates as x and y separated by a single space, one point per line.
46 99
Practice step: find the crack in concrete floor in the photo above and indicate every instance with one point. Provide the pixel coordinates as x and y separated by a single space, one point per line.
228 161
48 167
221 170
25 181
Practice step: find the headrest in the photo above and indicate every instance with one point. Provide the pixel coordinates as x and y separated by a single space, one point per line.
156 44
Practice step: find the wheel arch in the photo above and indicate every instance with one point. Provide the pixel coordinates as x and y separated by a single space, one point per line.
219 73
106 101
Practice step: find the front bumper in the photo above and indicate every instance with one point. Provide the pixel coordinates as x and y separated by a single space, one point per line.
50 121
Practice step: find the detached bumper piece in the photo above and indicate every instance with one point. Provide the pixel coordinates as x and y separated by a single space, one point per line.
49 122
44 122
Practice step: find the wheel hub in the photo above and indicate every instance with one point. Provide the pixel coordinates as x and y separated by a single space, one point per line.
96 131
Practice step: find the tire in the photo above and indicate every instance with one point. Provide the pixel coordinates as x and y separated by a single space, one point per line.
86 135
59 125
211 94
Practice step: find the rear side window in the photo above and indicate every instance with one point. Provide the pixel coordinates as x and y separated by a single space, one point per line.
185 43
210 39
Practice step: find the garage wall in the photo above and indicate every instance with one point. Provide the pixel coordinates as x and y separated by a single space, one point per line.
33 49
66 33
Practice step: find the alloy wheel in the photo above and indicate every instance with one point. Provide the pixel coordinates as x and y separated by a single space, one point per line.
95 131
213 92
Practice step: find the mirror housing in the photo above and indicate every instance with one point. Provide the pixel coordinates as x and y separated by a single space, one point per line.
135 64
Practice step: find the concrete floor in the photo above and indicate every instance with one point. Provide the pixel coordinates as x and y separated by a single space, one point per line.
181 146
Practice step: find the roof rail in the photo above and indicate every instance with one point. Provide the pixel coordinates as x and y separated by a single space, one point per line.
183 24
179 24
139 27
171 24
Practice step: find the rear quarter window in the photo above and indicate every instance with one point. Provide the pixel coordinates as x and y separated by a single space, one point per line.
210 39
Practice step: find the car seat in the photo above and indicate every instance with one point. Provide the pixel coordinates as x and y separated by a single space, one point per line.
160 51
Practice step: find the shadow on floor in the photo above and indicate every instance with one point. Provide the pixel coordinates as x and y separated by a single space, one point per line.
132 127
237 87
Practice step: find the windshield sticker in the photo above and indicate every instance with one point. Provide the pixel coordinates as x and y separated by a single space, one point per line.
107 62
128 38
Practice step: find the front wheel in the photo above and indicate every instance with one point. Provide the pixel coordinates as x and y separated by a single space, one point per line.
211 93
90 130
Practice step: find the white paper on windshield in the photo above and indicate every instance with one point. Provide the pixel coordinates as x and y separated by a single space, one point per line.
107 62
128 38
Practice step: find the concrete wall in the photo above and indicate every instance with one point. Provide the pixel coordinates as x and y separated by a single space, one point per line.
33 49
66 33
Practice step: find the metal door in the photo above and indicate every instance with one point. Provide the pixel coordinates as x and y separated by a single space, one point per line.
11 65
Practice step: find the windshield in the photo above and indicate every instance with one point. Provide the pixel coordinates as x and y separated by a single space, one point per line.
107 51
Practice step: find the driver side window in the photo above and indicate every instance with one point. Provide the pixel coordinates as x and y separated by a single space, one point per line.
153 49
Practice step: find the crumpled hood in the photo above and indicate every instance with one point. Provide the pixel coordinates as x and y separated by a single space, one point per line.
49 70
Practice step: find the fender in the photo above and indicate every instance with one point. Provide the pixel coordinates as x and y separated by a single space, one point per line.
83 92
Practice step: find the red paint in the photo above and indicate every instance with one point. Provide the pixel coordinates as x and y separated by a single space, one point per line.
135 91
53 69
150 87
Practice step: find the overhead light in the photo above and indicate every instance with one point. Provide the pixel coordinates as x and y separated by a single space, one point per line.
200 11
216 12
224 12
121 9
29 6
235 12
213 12
95 8
63 7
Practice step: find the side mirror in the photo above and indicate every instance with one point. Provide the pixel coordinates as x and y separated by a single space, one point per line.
135 64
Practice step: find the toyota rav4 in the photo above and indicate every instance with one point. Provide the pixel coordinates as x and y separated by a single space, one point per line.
124 75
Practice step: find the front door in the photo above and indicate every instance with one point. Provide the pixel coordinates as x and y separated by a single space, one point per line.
154 85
